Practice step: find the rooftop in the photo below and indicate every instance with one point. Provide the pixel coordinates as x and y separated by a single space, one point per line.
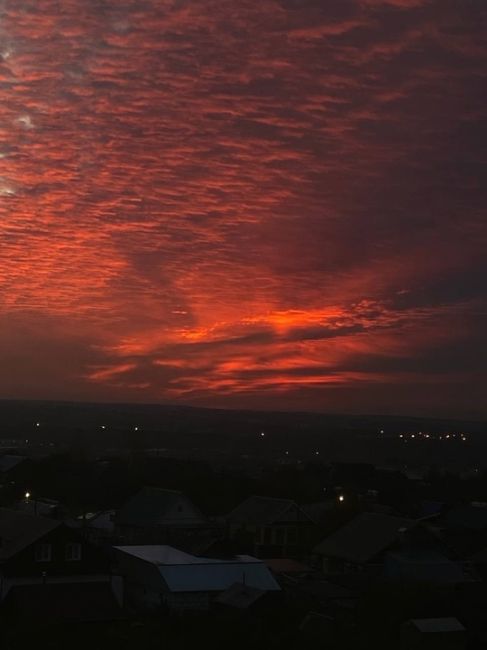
266 510
433 625
364 537
182 572
19 529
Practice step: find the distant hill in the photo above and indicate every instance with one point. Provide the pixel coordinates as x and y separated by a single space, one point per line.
214 431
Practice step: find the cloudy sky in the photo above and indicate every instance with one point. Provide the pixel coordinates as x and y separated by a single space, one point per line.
257 203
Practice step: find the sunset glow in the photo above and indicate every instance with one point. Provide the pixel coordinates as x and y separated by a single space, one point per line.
273 204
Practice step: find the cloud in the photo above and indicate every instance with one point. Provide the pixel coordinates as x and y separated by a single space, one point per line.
214 200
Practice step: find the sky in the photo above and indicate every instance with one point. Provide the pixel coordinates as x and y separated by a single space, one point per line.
273 204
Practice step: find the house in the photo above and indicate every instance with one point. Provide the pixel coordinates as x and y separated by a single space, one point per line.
433 634
274 527
40 551
360 545
155 515
163 577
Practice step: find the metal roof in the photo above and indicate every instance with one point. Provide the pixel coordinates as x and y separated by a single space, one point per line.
433 625
183 572
158 554
217 576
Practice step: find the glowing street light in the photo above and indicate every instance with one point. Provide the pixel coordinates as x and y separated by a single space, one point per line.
27 495
341 498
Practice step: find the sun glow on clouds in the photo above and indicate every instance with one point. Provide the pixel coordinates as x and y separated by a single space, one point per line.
272 204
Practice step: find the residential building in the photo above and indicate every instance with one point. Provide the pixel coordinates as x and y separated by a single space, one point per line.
274 527
38 551
159 516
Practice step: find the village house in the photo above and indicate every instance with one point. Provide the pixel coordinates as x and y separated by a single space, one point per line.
158 516
274 527
41 552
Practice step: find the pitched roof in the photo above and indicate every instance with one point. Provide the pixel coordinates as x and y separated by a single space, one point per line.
182 572
18 530
263 510
158 554
364 537
149 506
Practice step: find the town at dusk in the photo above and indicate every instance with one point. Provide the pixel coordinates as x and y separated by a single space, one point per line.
243 305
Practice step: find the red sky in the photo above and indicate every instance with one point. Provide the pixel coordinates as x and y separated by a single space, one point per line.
272 204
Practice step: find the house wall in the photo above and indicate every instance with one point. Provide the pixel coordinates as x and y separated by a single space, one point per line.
24 563
276 540
183 512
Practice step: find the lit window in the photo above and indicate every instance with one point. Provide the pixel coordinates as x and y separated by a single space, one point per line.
43 553
73 552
